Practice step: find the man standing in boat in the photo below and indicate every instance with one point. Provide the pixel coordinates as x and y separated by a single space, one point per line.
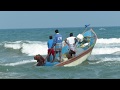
71 42
50 49
57 42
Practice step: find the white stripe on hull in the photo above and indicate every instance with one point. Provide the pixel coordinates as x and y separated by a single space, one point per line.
79 61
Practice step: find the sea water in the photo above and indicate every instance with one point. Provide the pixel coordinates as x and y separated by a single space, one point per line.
19 46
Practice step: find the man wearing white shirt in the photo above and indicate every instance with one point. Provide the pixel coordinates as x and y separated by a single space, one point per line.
71 42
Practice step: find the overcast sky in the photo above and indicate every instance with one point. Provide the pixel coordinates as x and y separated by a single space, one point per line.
53 19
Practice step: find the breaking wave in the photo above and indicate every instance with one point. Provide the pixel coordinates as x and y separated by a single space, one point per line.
28 47
31 48
107 46
18 63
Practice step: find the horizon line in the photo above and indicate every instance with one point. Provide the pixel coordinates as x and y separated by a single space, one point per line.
56 27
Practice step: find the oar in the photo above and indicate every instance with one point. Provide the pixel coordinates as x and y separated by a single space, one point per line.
47 55
49 52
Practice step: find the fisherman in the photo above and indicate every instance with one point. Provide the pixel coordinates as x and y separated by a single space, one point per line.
50 49
57 42
71 42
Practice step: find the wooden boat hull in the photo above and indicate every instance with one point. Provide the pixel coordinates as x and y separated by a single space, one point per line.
76 60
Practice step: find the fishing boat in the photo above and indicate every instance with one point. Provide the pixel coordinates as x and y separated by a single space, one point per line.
83 50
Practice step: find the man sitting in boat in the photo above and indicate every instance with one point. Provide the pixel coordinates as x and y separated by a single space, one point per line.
71 42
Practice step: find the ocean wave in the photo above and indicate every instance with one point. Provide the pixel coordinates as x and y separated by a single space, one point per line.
116 59
116 53
28 47
105 50
31 48
106 46
102 29
18 63
108 41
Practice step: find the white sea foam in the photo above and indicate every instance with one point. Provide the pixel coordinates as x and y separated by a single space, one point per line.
105 50
106 60
18 63
102 29
31 48
106 46
108 41
28 47
12 45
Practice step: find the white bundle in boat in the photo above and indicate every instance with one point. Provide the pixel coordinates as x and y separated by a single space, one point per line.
80 37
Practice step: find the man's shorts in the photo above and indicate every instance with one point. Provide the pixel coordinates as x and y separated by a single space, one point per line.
58 47
72 47
51 51
72 52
